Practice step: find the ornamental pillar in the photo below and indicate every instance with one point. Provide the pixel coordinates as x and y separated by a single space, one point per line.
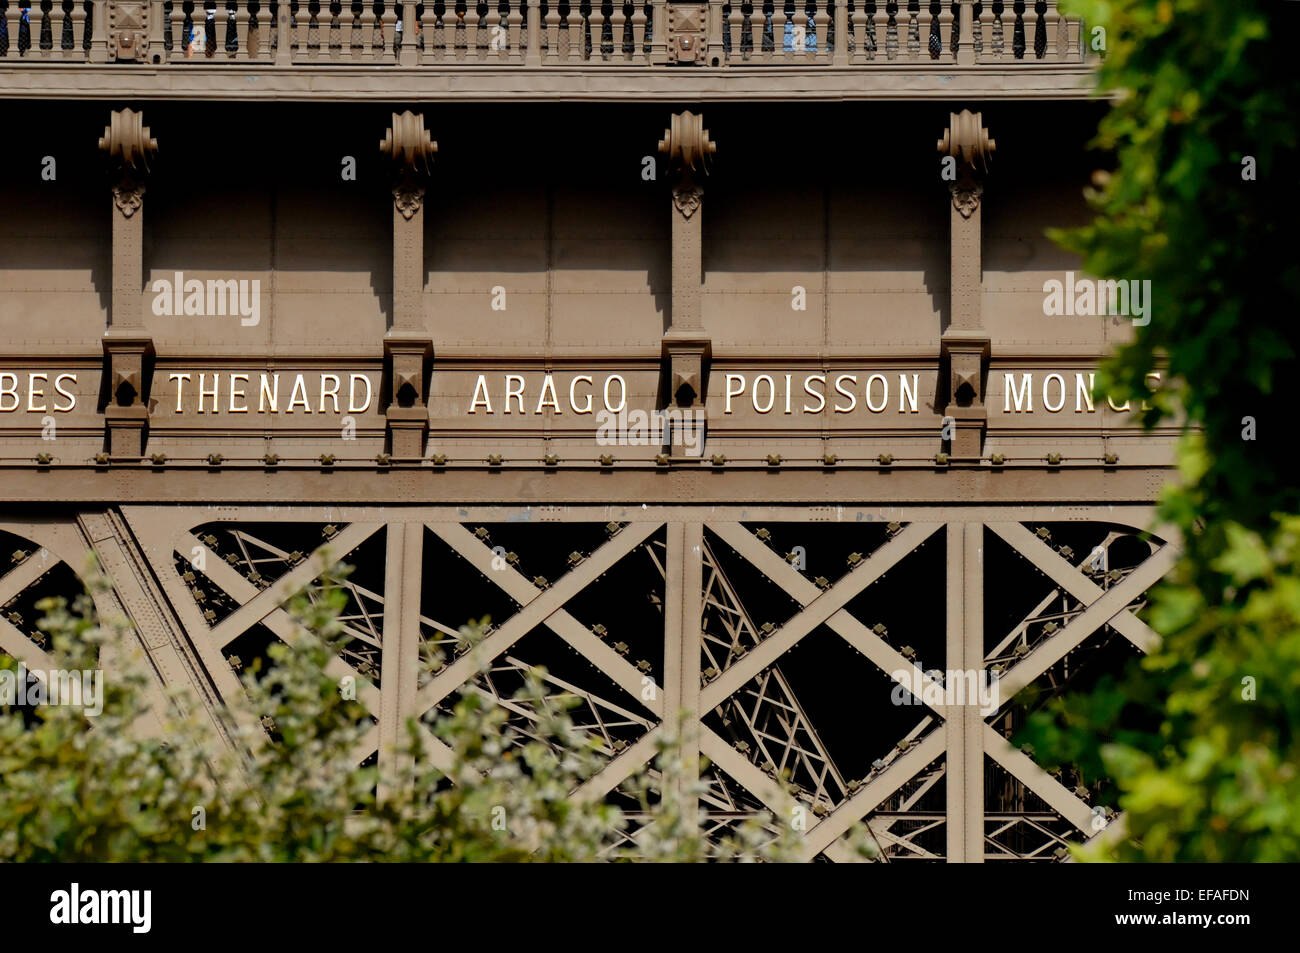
128 349
686 349
964 346
408 349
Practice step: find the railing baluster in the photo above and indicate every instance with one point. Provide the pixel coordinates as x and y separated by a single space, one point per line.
537 33
533 34
401 32
1057 31
573 24
891 31
868 30
841 54
176 29
945 32
362 37
313 28
596 23
984 36
859 16
79 31
552 26
241 31
231 45
624 43
332 46
639 21
427 20
46 41
257 31
57 16
12 18
386 38
735 23
210 41
351 36
1074 40
619 19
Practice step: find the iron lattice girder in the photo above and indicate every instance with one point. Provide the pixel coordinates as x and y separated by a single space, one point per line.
819 607
599 715
13 641
268 600
269 611
773 701
1098 607
1068 577
542 607
1110 605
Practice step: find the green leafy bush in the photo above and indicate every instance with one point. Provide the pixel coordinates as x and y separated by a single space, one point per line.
290 787
1201 203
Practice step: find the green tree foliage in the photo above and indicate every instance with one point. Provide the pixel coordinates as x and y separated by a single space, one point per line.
1201 202
290 788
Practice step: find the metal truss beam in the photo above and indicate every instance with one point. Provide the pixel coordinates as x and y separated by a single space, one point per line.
1068 577
952 739
963 723
538 607
1096 615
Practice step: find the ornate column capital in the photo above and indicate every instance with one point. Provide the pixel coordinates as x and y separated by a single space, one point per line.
688 147
130 148
408 144
968 142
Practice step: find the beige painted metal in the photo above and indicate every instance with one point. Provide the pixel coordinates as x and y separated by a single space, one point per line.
599 285
963 725
716 51
149 537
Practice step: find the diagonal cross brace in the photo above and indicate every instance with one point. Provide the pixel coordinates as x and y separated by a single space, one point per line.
538 607
1023 768
872 794
268 600
819 607
1099 613
278 620
1068 577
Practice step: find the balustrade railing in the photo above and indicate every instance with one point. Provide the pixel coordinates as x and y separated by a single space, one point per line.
540 33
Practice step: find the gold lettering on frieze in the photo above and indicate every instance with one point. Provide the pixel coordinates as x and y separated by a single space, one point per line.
308 393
